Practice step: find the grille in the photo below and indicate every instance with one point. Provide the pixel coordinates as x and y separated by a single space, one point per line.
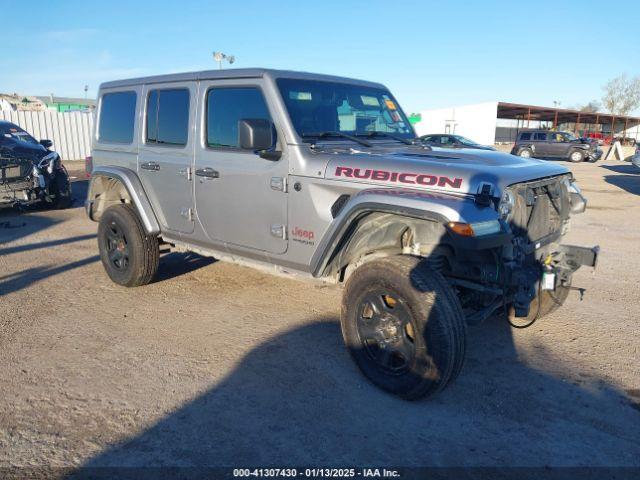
13 169
541 209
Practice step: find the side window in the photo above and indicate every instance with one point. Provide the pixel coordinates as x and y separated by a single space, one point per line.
225 107
168 117
540 136
525 136
117 117
557 137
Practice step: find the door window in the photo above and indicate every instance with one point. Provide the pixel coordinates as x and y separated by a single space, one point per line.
168 117
226 107
540 136
117 117
557 137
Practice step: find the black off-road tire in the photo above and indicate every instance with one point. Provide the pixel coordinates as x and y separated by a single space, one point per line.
142 250
547 303
431 307
525 152
576 156
61 190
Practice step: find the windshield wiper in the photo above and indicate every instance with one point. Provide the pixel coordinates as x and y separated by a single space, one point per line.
390 135
337 134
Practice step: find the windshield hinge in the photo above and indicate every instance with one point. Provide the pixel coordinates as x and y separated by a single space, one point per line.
484 197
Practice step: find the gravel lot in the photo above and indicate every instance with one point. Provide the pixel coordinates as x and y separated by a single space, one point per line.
216 364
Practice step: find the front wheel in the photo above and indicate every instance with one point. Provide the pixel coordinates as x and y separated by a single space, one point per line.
576 156
403 326
129 256
60 189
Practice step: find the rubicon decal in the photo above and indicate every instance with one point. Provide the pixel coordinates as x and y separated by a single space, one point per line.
399 177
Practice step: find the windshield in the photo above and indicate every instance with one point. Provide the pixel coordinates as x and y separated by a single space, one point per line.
316 107
570 136
14 132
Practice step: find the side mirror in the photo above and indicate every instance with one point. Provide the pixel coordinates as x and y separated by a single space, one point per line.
46 143
255 134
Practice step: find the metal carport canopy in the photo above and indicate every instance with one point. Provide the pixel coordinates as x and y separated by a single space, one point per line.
517 111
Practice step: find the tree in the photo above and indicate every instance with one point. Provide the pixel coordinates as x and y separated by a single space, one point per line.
622 95
592 107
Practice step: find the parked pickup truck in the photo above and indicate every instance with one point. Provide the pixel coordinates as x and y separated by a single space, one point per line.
323 177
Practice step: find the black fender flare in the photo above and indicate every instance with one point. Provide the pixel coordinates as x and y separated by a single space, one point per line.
131 182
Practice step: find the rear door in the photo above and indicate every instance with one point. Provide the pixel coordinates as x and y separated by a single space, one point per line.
166 153
541 143
240 197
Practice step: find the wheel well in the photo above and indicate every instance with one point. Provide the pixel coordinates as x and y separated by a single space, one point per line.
104 192
377 235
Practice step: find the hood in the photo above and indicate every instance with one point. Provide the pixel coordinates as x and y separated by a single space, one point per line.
461 171
14 149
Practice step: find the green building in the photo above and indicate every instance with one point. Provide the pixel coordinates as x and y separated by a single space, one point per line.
67 104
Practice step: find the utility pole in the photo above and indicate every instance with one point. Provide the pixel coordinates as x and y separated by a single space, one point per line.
220 57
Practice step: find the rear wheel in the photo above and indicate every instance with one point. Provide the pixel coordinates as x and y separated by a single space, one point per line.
576 156
525 152
403 326
128 254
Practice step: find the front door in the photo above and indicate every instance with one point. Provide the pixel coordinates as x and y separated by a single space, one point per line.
166 153
557 145
240 197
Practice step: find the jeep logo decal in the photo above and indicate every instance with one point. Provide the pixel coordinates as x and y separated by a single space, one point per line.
399 177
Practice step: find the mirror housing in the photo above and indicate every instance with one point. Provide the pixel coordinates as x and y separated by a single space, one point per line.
255 134
46 143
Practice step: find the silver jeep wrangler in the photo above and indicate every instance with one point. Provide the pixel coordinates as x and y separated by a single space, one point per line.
323 177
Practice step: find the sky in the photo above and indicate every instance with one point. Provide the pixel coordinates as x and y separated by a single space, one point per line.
429 54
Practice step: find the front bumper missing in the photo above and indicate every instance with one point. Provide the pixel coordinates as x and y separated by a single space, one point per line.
15 192
595 155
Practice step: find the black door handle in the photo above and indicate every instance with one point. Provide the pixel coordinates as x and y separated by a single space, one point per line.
150 166
207 172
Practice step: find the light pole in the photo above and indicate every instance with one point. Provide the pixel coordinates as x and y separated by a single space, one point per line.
219 57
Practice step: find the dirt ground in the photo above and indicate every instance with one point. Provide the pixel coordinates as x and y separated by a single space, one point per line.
216 364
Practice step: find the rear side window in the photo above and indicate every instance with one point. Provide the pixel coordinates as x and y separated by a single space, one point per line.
525 136
225 107
117 117
541 136
168 117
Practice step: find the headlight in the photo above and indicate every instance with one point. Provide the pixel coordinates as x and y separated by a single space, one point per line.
574 188
507 205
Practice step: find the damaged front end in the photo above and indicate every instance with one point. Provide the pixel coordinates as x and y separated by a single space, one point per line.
24 181
538 220
530 272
